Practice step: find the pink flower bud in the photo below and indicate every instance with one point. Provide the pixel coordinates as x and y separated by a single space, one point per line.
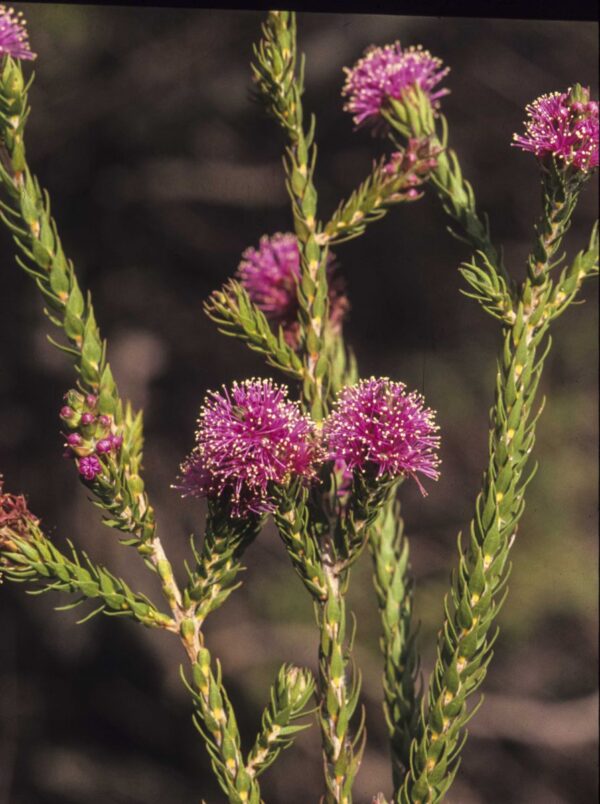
89 467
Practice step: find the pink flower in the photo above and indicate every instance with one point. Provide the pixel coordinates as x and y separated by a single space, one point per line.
270 275
562 127
386 72
13 35
376 426
249 438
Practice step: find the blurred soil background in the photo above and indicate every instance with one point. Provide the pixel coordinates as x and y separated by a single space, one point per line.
161 171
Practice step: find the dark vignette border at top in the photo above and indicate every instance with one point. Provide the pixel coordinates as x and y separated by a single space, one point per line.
571 11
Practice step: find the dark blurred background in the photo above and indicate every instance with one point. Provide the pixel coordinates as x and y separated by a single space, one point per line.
161 171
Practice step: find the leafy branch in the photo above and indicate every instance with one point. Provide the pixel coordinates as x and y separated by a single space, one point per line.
394 588
390 182
218 562
25 211
237 316
479 585
281 87
289 698
414 116
28 556
119 489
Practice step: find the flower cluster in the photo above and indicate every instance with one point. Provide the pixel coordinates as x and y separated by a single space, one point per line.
563 126
376 426
252 437
13 35
249 438
93 435
387 72
270 274
413 165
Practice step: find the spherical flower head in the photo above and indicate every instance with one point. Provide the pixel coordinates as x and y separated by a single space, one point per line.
13 35
562 127
387 72
270 275
249 438
377 427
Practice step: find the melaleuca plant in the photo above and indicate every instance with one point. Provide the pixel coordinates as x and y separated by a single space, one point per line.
325 456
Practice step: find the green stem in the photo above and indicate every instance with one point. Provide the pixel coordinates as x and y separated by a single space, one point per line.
289 698
393 584
472 606
466 639
339 697
26 212
217 723
275 74
414 117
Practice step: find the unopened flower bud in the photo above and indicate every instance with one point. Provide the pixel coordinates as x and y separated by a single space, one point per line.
87 419
104 445
74 440
89 467
74 399
300 685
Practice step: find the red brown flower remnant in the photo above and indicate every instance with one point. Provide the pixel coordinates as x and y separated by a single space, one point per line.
15 520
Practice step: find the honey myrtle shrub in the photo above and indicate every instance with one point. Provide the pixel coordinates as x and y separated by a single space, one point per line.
328 466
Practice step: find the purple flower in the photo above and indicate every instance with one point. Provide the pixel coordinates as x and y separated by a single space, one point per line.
270 275
248 438
560 126
89 467
377 426
386 72
13 36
